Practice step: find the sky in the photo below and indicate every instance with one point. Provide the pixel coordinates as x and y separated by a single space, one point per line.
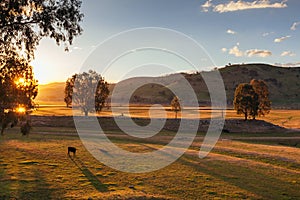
244 31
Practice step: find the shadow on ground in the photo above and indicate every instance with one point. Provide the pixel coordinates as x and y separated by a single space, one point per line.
89 175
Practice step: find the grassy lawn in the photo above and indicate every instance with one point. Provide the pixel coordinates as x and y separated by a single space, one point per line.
37 167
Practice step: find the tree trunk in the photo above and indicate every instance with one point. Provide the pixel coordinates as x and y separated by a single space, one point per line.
86 113
175 114
246 116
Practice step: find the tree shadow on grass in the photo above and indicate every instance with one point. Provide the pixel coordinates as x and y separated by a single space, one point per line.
89 175
39 189
245 178
33 187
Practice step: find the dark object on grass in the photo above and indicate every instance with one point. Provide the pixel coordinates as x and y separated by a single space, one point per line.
72 150
131 187
295 145
291 145
8 118
25 128
226 131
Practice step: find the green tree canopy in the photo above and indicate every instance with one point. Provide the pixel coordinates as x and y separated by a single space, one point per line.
79 93
23 23
246 101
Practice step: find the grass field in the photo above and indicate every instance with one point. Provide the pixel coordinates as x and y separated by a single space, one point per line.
284 118
241 166
37 167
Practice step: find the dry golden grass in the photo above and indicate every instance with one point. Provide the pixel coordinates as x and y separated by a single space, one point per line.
284 118
37 167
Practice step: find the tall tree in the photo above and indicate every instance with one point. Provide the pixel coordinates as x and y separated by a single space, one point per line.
23 23
79 89
18 89
175 105
69 90
246 101
261 89
18 85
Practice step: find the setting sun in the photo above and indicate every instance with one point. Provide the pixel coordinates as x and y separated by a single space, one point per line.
20 81
21 109
149 100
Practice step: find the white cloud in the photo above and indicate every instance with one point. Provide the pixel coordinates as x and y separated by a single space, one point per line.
235 51
294 26
249 53
224 50
206 6
287 53
77 48
267 34
233 5
296 64
229 31
258 52
277 40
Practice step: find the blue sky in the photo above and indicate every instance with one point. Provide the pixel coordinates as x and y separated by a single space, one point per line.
264 31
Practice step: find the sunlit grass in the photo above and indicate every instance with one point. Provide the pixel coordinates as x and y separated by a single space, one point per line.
37 167
285 118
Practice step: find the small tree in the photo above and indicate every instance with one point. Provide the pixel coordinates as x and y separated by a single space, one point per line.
246 101
80 93
175 105
261 89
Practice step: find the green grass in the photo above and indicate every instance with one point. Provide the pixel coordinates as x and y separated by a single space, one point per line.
37 167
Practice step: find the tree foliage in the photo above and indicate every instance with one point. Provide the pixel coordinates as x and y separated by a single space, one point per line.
175 105
23 23
252 99
246 101
79 92
18 89
69 90
261 89
17 85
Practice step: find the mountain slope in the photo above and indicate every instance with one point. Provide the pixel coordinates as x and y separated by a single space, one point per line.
283 83
52 92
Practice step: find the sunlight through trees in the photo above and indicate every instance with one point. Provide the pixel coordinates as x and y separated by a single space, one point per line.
24 23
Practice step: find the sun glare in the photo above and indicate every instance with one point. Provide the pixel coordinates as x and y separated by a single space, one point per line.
21 109
20 81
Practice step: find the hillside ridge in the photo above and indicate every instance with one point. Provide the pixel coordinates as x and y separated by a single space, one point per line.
283 83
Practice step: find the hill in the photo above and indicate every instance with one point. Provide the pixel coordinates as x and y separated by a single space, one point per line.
283 83
52 93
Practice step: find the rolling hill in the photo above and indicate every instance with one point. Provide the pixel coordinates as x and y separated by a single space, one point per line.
283 83
52 93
